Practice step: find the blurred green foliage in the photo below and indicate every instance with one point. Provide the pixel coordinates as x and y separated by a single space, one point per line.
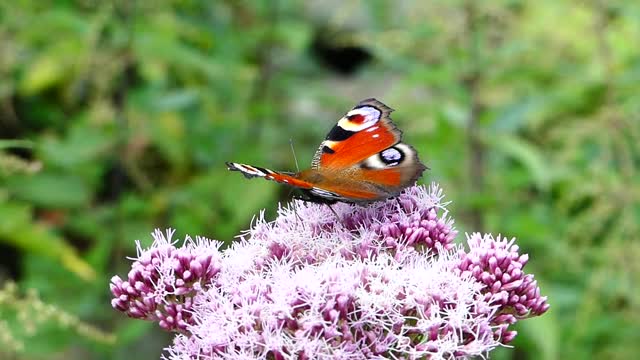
117 117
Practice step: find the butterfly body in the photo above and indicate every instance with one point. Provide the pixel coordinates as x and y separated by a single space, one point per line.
361 160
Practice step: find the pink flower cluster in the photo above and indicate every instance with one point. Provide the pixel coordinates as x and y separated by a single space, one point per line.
381 281
164 279
497 264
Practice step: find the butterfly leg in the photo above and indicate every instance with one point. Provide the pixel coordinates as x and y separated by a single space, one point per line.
308 197
295 211
298 215
334 212
399 204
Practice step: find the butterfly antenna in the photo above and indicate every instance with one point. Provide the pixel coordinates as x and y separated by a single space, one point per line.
294 154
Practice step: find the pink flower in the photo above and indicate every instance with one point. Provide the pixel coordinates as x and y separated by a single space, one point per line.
497 264
382 281
164 279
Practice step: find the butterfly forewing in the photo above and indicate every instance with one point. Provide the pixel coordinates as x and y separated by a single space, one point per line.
364 130
250 171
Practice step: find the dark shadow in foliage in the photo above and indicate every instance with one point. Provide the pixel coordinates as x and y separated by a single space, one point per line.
11 261
332 50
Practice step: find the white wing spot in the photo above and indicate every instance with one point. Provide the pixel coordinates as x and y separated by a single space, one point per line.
391 154
376 136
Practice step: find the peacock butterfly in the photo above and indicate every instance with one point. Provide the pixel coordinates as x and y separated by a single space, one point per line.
362 160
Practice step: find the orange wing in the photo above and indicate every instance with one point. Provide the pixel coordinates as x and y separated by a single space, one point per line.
364 131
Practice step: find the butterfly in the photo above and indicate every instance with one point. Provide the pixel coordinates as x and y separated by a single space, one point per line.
362 160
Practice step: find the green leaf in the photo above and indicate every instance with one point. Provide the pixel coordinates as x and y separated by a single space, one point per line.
515 116
7 144
42 74
51 190
17 229
543 334
82 146
527 154
176 100
133 330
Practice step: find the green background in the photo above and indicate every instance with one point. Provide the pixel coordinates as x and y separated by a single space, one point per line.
116 117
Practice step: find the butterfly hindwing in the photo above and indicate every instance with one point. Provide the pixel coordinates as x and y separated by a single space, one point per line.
395 166
380 176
